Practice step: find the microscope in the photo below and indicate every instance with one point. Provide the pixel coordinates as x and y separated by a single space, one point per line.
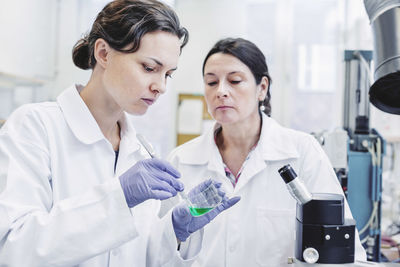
323 235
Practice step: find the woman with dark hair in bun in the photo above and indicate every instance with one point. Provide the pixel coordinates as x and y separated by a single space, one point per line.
79 189
244 151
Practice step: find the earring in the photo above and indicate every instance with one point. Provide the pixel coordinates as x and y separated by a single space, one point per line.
262 108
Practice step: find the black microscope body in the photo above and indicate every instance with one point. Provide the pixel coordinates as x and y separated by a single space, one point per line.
323 235
320 225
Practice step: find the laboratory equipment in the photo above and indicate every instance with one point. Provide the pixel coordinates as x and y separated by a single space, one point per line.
295 186
203 200
362 180
323 235
384 17
356 152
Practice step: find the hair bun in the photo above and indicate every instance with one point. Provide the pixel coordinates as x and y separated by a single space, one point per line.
81 54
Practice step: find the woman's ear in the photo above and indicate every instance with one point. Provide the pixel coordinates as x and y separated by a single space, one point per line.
101 52
263 86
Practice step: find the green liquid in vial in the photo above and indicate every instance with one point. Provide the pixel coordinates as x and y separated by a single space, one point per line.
199 211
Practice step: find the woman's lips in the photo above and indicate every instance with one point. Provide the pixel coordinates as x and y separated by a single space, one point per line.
148 101
223 107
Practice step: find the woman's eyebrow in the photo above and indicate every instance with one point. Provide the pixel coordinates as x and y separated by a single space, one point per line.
230 73
156 61
160 64
235 72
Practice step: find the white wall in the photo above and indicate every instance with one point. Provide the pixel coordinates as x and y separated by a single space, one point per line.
274 27
38 36
207 21
27 50
27 37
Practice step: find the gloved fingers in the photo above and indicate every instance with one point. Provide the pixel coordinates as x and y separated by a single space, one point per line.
200 187
181 220
160 175
164 166
217 184
209 216
229 203
226 204
182 211
221 193
161 195
162 186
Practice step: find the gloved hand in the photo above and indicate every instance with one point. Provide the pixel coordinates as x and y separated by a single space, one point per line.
150 178
185 223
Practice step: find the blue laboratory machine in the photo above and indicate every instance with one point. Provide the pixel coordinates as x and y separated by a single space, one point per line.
362 179
356 151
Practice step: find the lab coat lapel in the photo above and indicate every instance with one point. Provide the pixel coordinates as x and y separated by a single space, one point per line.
274 145
203 151
129 147
254 165
215 165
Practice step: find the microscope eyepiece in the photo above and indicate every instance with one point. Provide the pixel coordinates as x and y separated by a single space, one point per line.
295 186
287 173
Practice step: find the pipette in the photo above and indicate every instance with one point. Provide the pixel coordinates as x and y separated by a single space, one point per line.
149 148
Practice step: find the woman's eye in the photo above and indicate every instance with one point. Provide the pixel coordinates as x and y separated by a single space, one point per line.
211 83
235 82
147 68
168 75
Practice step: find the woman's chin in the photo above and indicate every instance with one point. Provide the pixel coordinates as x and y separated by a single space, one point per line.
136 111
225 120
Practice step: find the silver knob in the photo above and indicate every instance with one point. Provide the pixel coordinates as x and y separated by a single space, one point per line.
310 255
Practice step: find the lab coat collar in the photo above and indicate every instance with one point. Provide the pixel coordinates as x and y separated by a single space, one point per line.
84 125
78 116
276 143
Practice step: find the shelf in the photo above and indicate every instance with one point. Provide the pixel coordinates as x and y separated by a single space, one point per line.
10 81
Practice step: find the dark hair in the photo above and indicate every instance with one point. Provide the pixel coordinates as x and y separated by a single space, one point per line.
251 56
124 22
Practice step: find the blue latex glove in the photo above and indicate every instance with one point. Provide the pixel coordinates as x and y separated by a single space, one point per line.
185 224
150 179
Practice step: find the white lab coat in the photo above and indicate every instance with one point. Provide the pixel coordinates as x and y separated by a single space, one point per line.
260 229
62 204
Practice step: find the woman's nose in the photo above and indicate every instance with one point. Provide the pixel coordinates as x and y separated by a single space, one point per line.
159 86
222 90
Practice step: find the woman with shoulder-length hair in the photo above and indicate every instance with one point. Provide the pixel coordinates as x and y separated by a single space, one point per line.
244 152
79 189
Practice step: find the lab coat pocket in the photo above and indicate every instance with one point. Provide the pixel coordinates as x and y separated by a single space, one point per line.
275 236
